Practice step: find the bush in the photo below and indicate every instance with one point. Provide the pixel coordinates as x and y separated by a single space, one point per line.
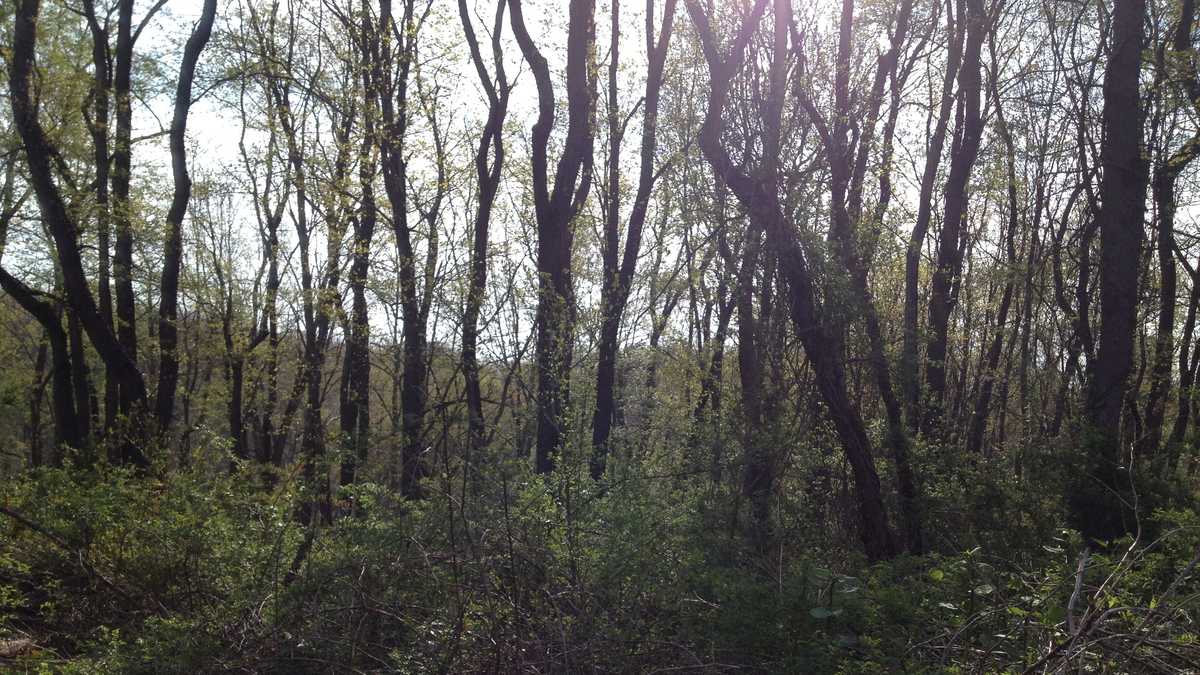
108 571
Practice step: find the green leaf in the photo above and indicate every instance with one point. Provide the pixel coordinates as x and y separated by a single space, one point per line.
936 574
1053 615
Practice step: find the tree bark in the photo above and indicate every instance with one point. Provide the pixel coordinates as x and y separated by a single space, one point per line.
355 413
168 330
1163 191
761 199
949 251
618 280
37 391
555 208
81 381
390 88
846 207
979 417
122 267
66 423
62 227
99 128
1122 206
909 357
488 175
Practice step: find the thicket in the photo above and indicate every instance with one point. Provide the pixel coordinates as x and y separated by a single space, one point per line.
196 570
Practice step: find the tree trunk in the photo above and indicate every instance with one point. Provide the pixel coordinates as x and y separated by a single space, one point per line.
949 251
81 381
555 210
759 196
1123 190
846 207
979 418
355 414
168 331
63 229
66 422
122 206
618 281
1165 179
758 475
1186 378
237 425
101 86
1164 343
909 358
37 391
488 176
390 90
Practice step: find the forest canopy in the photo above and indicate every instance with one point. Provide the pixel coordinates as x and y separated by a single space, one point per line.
599 336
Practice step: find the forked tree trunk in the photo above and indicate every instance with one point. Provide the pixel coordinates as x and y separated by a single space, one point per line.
948 268
555 208
761 199
618 280
488 176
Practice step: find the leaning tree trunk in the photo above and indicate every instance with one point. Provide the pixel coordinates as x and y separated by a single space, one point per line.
63 229
846 210
818 336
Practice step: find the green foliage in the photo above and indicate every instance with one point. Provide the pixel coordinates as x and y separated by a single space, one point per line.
108 571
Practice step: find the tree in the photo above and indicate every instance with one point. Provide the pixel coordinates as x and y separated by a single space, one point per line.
758 194
1122 207
394 53
168 333
63 228
489 166
953 236
555 209
618 279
